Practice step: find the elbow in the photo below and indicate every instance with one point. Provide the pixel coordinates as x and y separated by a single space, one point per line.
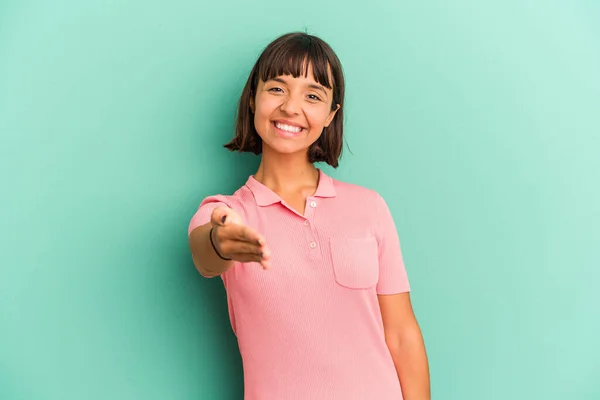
206 274
203 271
404 340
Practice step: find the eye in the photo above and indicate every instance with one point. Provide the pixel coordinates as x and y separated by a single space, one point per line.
276 90
314 97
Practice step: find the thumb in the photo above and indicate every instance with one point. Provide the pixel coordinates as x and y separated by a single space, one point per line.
224 215
219 215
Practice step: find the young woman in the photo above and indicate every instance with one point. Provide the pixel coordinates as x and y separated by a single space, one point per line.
317 291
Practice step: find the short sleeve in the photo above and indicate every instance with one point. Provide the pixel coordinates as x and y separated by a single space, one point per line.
392 272
202 216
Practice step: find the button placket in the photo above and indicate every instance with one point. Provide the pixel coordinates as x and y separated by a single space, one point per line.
309 230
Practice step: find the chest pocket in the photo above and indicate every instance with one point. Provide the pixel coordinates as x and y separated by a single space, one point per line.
355 261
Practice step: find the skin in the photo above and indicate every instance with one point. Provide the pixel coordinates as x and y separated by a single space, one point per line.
303 103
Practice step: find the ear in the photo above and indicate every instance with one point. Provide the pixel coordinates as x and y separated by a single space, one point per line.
331 115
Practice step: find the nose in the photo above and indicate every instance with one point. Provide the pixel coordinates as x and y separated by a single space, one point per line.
290 105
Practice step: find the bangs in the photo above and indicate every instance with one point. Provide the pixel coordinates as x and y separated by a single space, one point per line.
293 57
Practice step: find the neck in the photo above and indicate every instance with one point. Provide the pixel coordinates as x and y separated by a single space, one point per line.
287 173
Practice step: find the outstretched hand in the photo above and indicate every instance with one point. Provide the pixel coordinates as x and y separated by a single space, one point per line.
237 241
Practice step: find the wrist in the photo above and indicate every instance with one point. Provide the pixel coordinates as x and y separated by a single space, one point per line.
212 242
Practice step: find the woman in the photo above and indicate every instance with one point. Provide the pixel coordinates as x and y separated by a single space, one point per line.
317 291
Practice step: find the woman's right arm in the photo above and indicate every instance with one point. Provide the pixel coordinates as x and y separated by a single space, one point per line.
232 240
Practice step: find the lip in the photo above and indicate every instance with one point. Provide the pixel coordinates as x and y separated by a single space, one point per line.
286 134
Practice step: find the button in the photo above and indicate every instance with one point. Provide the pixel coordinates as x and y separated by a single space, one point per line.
313 245
306 222
313 204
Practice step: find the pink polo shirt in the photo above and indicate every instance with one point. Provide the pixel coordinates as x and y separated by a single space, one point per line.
310 327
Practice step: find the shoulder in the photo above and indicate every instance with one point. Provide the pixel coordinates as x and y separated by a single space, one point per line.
238 201
353 193
362 201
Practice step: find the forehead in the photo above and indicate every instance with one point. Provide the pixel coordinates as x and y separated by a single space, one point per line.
297 66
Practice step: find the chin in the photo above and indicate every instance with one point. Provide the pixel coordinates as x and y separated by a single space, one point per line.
285 148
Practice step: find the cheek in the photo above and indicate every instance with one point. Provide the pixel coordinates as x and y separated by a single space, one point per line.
264 109
265 106
318 117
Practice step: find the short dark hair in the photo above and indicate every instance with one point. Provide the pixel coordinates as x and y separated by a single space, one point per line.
291 54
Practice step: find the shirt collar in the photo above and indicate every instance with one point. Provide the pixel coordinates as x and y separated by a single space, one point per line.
265 196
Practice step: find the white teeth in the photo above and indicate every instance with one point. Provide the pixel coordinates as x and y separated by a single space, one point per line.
288 128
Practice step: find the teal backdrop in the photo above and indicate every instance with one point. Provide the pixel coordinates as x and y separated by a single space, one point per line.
478 121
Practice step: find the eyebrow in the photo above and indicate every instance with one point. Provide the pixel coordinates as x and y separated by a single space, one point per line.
311 86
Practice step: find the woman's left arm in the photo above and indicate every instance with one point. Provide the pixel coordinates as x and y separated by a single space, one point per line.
405 342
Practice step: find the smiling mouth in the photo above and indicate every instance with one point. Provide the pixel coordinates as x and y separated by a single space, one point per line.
291 129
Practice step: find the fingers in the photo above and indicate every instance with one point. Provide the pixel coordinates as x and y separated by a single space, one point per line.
245 257
240 247
247 234
240 232
245 251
